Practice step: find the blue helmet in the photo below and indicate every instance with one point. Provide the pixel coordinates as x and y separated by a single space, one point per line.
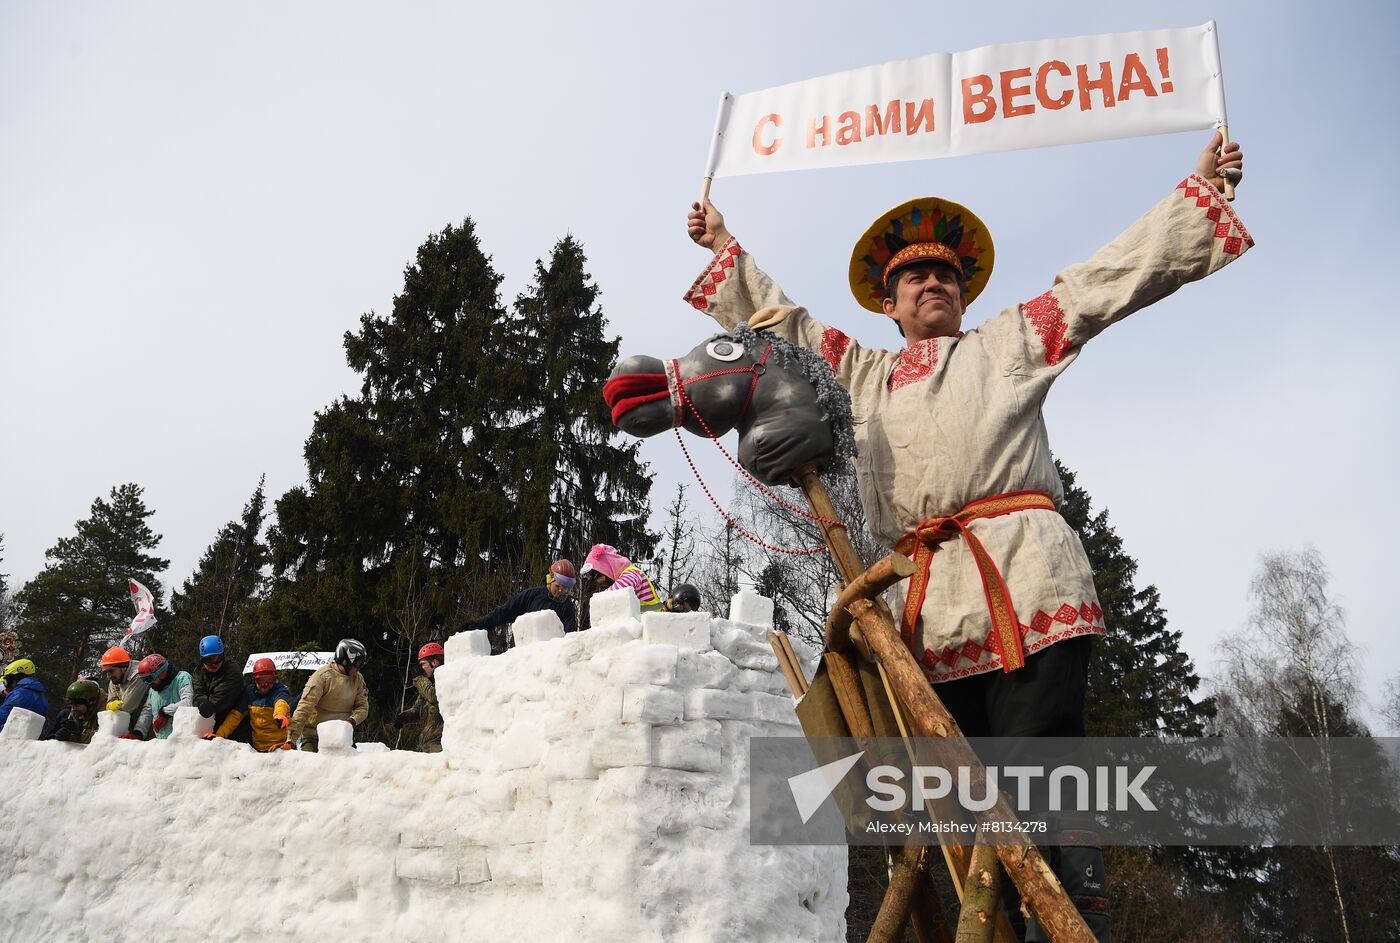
210 645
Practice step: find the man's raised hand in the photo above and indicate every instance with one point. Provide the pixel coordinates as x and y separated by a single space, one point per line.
706 226
1215 166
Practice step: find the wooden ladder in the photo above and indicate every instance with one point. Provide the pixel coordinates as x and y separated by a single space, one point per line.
862 645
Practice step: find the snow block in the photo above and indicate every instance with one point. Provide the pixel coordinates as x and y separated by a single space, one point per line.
111 724
751 609
773 708
607 708
566 759
190 724
613 607
743 646
23 724
685 630
334 736
694 746
535 627
471 644
704 670
426 864
623 745
640 663
719 705
371 747
651 704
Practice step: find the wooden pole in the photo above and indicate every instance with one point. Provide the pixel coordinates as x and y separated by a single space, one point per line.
1024 864
790 670
1224 140
1039 886
981 901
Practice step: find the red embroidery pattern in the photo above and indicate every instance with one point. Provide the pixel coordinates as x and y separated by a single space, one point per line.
1048 319
1087 619
1230 229
717 271
834 346
916 362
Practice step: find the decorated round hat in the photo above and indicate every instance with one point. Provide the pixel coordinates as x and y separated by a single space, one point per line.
925 229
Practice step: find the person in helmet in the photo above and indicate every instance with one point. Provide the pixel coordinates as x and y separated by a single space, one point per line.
267 705
22 689
77 722
606 569
334 692
218 684
555 594
125 689
684 598
170 688
425 708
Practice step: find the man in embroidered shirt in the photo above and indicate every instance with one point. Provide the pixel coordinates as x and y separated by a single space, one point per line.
1001 615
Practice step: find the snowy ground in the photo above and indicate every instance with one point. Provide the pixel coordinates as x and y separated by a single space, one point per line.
592 787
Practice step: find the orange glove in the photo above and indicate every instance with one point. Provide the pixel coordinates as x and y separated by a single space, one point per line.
285 746
282 722
208 736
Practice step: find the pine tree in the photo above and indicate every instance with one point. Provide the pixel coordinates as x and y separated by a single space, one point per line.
79 603
1140 681
578 486
226 580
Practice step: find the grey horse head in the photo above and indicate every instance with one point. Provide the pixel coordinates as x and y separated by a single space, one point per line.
787 406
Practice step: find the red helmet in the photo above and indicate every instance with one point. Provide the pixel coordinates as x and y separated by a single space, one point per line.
153 668
264 666
115 656
430 650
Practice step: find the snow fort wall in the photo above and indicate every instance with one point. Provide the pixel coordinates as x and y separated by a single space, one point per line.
592 786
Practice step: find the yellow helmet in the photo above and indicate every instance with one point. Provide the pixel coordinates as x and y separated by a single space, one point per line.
20 666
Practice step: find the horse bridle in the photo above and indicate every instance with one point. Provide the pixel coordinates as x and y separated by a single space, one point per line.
681 401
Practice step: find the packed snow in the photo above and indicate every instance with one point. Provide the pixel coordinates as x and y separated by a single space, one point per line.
592 786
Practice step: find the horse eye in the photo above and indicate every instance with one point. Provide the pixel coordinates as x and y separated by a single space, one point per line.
727 351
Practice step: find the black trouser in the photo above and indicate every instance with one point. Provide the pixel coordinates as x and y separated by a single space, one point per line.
1045 698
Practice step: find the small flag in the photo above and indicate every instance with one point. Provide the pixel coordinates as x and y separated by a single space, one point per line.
145 610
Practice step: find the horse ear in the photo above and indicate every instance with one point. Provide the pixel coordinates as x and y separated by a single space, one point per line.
771 316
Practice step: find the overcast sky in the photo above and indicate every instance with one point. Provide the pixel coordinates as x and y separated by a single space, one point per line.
198 200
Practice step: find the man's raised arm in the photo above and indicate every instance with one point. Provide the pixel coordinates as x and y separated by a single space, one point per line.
732 289
1190 234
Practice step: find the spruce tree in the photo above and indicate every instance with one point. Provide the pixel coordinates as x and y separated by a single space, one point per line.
79 603
579 485
415 504
226 580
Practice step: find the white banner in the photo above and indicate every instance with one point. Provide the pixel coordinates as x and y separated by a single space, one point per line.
291 661
145 610
997 98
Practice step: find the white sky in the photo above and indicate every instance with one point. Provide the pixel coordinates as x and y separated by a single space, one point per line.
198 200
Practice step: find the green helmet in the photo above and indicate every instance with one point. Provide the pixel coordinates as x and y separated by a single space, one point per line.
84 690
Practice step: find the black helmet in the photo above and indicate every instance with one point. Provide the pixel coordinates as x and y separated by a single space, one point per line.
684 598
351 653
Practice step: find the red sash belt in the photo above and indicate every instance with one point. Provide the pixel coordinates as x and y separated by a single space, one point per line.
921 542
